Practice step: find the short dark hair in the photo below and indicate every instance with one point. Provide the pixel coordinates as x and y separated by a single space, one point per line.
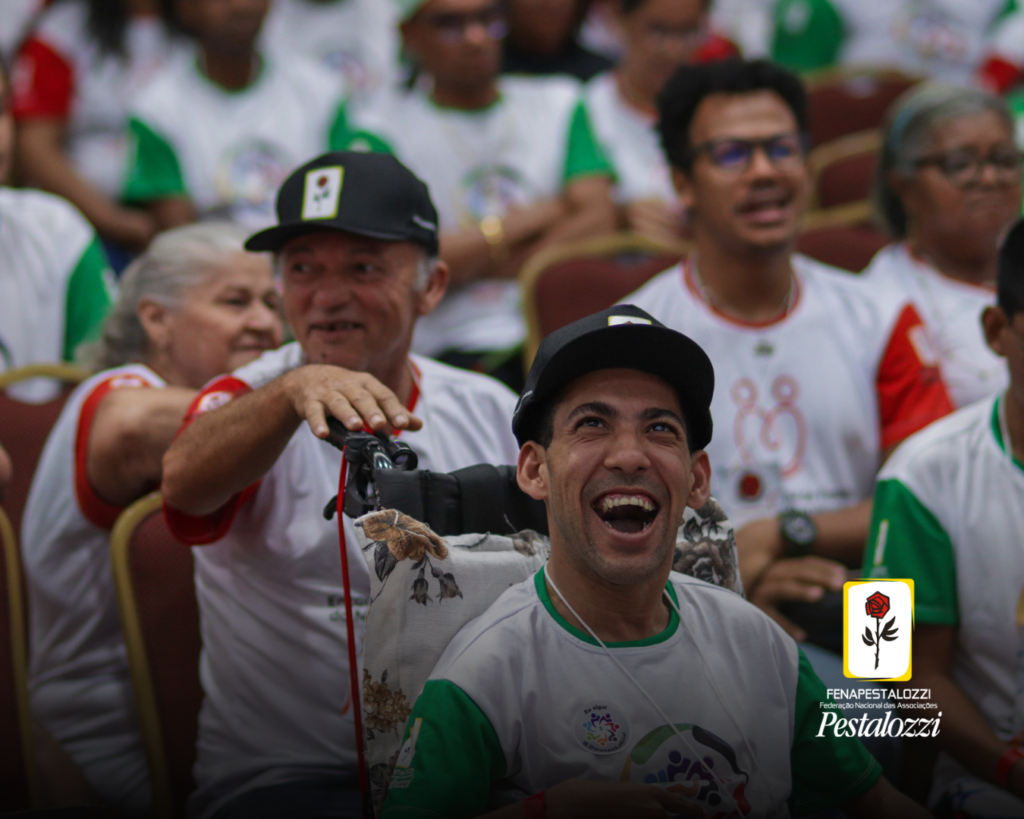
690 84
629 6
1010 279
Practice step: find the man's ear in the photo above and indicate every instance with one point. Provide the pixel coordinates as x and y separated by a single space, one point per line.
700 489
430 296
684 188
532 472
993 322
156 321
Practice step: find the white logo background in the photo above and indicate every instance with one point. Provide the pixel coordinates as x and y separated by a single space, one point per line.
894 656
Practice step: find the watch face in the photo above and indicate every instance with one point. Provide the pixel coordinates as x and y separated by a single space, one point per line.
800 529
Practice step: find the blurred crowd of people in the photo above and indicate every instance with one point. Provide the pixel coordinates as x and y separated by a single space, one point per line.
160 161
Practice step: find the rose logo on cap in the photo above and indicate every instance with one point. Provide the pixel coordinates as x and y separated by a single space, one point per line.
321 192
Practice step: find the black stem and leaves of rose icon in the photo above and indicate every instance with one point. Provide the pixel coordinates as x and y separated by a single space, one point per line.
877 606
398 537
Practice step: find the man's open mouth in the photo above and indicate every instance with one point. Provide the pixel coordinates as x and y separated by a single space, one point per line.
625 512
336 326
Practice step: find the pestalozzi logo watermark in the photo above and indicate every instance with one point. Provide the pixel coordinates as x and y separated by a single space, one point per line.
878 625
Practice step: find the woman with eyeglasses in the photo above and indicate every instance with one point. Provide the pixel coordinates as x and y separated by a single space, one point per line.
658 36
948 187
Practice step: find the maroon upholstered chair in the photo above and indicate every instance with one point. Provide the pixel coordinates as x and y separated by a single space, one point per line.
153 576
844 101
843 236
568 282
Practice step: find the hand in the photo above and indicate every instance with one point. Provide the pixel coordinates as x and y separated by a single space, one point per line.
758 545
800 580
583 798
655 219
355 399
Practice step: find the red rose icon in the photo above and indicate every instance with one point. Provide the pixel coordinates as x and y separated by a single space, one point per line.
877 605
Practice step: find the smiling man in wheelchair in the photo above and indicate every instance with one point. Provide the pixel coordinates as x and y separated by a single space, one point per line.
606 683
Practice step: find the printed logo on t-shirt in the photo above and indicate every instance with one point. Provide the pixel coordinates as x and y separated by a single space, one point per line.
770 428
601 728
923 347
878 624
123 381
320 195
694 762
214 400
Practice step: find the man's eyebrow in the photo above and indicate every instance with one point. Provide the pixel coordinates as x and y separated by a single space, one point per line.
593 408
654 413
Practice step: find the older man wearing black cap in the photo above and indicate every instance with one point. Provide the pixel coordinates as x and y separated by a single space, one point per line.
356 246
606 684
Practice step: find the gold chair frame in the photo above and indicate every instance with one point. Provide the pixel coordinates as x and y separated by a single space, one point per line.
138 660
67 373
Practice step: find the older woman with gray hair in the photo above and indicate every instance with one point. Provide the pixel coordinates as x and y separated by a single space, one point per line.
948 187
195 305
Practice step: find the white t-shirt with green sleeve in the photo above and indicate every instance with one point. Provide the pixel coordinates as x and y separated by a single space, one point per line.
630 141
949 513
228 151
56 285
525 147
521 701
941 39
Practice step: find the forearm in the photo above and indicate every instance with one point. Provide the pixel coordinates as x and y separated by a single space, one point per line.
172 211
224 451
842 533
45 165
590 213
130 433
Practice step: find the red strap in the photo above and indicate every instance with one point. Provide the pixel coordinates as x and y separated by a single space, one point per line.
350 627
998 75
536 806
1006 761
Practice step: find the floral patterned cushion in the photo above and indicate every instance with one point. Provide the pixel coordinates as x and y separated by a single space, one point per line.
424 588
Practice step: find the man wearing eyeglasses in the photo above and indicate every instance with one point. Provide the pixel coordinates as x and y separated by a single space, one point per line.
512 163
819 375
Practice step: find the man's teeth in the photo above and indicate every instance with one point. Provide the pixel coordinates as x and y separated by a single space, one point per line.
609 503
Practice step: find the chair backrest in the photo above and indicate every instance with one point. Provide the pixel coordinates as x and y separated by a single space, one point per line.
18 781
24 428
843 101
843 236
843 170
153 577
570 281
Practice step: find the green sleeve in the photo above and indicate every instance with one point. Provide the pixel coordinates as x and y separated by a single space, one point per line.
808 34
583 156
828 771
153 171
88 298
346 136
906 540
449 758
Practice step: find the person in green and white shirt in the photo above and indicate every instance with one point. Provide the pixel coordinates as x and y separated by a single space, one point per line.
942 39
606 684
217 131
512 164
55 283
949 513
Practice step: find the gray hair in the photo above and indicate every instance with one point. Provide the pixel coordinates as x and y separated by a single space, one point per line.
175 262
907 134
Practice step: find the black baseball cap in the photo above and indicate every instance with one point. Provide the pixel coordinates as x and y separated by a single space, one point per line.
369 194
626 337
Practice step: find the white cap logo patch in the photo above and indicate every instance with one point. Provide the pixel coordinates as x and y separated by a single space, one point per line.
616 320
320 196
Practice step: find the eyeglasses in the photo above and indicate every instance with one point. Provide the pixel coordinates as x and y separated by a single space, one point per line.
784 151
964 166
688 37
452 26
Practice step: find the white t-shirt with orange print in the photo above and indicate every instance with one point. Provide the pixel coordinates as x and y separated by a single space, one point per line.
805 405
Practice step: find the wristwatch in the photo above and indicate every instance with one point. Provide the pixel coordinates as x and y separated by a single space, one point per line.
799 531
